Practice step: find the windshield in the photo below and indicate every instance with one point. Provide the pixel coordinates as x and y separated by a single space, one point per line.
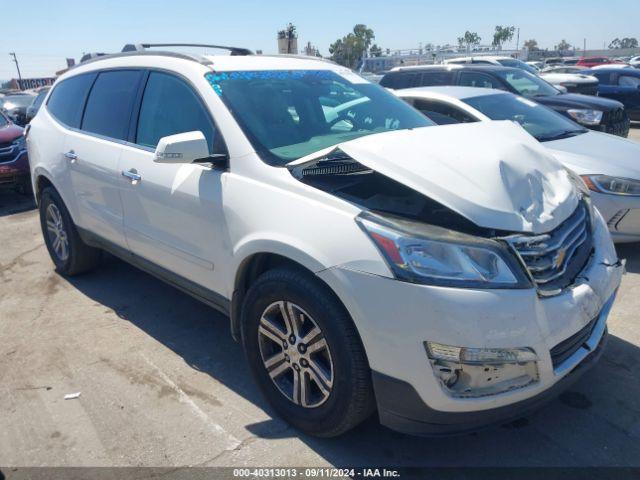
542 123
3 121
17 101
288 114
515 63
527 84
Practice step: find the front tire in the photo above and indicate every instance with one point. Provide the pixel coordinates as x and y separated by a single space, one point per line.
305 353
69 253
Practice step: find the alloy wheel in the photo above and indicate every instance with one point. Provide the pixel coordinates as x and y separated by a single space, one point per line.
56 232
295 354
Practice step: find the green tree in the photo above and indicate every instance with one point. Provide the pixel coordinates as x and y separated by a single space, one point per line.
502 35
563 45
350 49
469 40
626 42
531 45
375 51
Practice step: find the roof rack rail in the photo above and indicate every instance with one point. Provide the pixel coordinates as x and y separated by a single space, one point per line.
130 47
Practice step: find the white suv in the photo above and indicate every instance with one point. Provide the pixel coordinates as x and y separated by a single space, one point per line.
450 276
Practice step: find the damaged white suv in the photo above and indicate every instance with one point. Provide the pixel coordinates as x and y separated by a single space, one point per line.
448 276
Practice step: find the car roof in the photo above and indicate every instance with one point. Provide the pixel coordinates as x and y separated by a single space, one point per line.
622 71
459 93
218 63
269 62
451 67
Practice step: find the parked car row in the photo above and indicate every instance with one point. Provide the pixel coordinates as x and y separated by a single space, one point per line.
446 276
607 164
593 112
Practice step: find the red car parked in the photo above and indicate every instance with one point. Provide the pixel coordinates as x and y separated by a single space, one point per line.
14 163
589 62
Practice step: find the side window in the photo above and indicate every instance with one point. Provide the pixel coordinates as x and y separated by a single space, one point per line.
430 79
629 81
603 77
67 99
108 110
170 106
476 79
442 113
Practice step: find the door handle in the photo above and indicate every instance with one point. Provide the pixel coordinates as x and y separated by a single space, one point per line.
132 175
71 156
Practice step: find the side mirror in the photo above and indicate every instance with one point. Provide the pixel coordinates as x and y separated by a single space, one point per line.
182 148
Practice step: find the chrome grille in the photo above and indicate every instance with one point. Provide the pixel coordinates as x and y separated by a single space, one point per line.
556 258
8 152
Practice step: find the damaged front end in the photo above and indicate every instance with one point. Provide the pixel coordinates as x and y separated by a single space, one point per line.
425 241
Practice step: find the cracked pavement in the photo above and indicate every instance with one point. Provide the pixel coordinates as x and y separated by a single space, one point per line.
163 384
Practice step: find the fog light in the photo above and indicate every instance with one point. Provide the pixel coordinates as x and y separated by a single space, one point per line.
477 372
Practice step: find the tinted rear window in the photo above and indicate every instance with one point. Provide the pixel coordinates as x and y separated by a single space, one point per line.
67 99
110 102
400 80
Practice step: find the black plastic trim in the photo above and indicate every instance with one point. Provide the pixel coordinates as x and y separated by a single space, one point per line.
209 297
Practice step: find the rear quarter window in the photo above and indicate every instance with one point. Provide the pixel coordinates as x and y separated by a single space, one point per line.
66 102
110 102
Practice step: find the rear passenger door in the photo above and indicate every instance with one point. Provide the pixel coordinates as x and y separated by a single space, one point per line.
173 212
93 151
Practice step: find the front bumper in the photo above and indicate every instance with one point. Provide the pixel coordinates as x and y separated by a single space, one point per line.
622 215
394 319
14 171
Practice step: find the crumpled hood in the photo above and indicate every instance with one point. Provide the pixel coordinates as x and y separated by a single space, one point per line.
493 173
596 152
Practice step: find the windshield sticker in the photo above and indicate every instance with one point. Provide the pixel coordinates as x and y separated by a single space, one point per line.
215 79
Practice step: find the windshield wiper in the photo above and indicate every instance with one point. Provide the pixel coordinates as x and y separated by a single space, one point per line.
560 135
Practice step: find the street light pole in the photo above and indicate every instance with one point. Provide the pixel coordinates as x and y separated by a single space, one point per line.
15 59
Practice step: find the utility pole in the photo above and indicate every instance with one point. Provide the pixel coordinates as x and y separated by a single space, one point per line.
15 59
518 40
584 47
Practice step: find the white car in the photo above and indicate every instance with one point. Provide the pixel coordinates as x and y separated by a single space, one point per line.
493 60
608 164
536 65
365 257
635 62
571 79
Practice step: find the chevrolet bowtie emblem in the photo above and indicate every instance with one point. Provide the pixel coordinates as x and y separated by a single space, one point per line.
559 259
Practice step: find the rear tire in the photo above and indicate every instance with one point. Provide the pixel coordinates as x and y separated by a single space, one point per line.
322 385
69 253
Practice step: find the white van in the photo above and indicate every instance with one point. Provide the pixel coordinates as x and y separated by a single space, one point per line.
448 276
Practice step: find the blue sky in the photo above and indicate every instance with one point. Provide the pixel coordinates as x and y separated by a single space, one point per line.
52 30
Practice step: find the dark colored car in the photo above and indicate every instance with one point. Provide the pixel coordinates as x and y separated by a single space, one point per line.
15 107
37 102
601 114
621 84
14 164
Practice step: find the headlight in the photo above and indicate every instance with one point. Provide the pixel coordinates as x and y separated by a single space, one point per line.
422 253
613 185
586 116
